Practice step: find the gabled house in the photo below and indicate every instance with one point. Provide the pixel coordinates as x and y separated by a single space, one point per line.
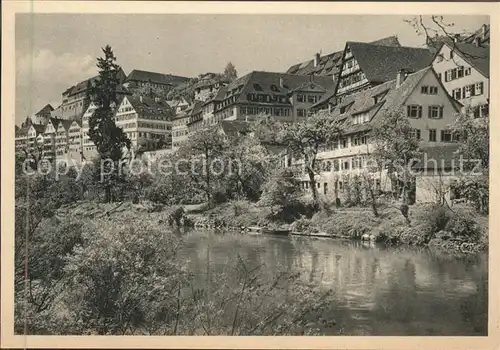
145 120
329 65
420 97
464 70
366 65
43 115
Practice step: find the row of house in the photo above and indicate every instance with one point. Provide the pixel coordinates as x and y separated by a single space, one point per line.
358 85
146 120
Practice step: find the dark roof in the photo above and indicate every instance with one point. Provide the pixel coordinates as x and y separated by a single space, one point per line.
438 156
389 100
47 109
235 127
381 63
157 78
269 83
477 56
39 128
148 107
328 64
83 85
483 33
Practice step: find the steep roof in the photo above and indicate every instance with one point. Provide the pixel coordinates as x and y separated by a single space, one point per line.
157 78
476 56
389 99
149 108
381 63
328 64
47 109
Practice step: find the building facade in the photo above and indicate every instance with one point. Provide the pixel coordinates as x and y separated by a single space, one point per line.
420 97
464 71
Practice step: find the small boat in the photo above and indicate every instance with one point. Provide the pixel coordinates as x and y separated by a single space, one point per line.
278 232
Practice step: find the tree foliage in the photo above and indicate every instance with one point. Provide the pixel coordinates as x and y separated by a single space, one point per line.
396 148
304 139
109 139
230 72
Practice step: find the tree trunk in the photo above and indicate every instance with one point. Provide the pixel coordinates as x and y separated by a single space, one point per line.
312 183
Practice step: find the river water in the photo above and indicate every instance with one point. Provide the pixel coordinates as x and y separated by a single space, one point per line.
377 290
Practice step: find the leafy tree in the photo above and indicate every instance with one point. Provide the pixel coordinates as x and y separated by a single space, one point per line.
396 147
200 159
474 146
304 140
230 72
251 165
109 139
123 279
281 189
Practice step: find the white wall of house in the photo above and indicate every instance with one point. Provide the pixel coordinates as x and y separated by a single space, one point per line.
443 62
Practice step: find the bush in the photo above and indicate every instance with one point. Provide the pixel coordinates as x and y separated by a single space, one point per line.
463 224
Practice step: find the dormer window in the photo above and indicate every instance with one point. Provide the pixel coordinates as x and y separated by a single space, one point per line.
257 87
274 88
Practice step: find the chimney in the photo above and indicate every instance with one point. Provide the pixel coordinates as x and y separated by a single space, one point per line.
316 59
281 82
477 41
400 77
140 98
456 38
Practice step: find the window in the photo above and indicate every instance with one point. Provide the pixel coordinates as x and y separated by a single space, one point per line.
468 91
451 54
311 99
300 98
428 90
478 89
435 112
343 142
301 112
257 87
467 71
446 136
457 93
432 135
484 110
460 72
440 76
414 111
415 133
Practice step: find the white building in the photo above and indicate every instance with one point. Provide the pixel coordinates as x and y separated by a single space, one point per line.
464 70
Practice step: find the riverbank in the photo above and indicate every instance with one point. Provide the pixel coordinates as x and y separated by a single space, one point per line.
456 230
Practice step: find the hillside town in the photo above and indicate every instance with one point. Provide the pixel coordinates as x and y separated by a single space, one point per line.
358 85
325 197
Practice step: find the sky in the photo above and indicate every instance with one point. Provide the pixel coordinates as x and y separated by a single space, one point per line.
56 51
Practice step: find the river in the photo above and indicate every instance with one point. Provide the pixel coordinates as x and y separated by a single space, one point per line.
378 290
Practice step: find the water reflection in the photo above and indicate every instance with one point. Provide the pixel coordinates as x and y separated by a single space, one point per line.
377 290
